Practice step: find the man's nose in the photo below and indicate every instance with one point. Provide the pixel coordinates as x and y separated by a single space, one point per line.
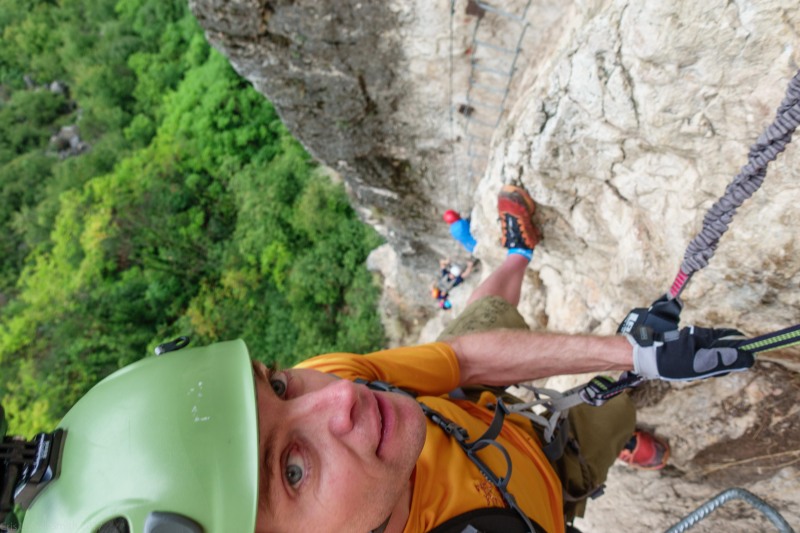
332 407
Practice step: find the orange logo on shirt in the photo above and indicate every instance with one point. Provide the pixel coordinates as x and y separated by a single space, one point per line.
489 492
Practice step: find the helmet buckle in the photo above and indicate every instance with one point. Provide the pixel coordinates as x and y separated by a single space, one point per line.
27 467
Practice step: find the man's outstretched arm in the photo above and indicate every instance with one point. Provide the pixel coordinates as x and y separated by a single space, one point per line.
505 356
502 357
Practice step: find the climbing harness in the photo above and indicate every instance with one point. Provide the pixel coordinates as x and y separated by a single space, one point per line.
471 448
557 404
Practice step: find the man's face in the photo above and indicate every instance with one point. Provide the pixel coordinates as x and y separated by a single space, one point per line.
335 456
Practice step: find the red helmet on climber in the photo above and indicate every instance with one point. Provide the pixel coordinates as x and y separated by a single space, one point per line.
451 216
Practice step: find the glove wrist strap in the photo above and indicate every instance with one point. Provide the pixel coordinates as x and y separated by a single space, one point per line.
644 359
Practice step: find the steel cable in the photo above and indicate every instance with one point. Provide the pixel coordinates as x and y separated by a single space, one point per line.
704 510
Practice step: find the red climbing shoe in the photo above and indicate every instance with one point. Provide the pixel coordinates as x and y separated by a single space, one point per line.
515 208
649 452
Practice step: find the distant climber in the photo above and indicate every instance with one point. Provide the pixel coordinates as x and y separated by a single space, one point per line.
459 229
450 276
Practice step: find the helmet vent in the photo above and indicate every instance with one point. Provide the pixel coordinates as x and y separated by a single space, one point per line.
115 525
159 522
171 346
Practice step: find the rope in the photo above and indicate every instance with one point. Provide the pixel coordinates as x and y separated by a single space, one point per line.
772 341
704 510
772 142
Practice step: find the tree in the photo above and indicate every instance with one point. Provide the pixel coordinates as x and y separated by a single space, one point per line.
194 212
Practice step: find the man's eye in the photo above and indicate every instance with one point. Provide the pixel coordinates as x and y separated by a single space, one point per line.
295 469
279 386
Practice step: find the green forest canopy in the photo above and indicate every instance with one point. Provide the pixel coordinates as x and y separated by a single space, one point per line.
192 212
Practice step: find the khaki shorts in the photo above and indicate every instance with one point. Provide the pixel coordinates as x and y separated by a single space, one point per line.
597 434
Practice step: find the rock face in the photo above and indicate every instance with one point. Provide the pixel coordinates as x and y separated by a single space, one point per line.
367 87
645 114
625 120
336 73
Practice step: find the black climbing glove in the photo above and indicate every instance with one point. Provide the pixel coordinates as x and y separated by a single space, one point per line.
661 317
689 354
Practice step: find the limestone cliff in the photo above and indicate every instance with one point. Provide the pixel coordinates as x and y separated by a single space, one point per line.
625 120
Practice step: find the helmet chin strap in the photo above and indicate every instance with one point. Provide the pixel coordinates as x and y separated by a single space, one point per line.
381 528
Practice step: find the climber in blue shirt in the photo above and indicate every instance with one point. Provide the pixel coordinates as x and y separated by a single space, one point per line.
459 229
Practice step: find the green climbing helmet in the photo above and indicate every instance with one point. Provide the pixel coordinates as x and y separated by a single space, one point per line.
167 444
